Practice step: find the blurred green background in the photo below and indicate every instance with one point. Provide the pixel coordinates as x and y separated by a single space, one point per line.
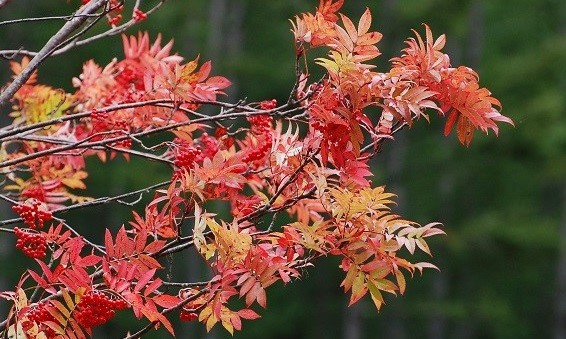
502 200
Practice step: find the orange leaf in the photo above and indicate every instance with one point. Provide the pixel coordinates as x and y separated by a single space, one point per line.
365 22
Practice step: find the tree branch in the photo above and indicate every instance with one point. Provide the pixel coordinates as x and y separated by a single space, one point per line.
78 19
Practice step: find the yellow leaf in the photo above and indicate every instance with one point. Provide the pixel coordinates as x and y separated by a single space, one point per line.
375 294
359 288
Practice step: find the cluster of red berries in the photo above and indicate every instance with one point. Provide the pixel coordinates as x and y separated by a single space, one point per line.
96 308
261 129
33 212
122 126
39 314
128 76
101 122
268 104
186 155
33 244
209 145
264 146
34 192
187 315
221 134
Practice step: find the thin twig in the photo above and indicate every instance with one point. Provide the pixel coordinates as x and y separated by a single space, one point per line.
70 26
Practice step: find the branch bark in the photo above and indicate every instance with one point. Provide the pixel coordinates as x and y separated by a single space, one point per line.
79 18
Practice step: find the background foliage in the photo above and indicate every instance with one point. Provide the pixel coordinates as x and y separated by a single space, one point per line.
503 201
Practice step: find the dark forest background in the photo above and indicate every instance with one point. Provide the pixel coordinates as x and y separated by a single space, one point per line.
502 200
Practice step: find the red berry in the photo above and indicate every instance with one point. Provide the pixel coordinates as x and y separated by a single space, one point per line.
120 304
32 244
186 155
187 316
268 104
33 212
95 308
209 145
38 314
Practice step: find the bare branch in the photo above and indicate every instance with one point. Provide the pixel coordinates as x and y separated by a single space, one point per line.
80 17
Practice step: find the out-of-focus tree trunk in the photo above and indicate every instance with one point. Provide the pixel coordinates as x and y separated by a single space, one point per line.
560 303
560 306
226 34
472 58
224 41
476 16
396 327
353 321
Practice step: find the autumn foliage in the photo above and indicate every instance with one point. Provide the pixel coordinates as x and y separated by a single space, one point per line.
306 158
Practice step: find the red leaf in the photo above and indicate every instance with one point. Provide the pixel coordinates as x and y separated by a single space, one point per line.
108 244
144 279
166 300
248 314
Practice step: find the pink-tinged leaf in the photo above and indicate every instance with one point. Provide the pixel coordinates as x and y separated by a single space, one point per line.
131 273
254 294
148 261
236 321
154 246
90 260
349 280
262 298
350 28
44 284
243 278
344 38
248 314
247 286
155 315
152 286
422 265
431 230
421 243
108 244
204 71
144 279
166 300
218 82
284 276
371 38
365 22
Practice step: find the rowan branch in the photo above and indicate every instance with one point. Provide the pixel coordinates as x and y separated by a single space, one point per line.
79 18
